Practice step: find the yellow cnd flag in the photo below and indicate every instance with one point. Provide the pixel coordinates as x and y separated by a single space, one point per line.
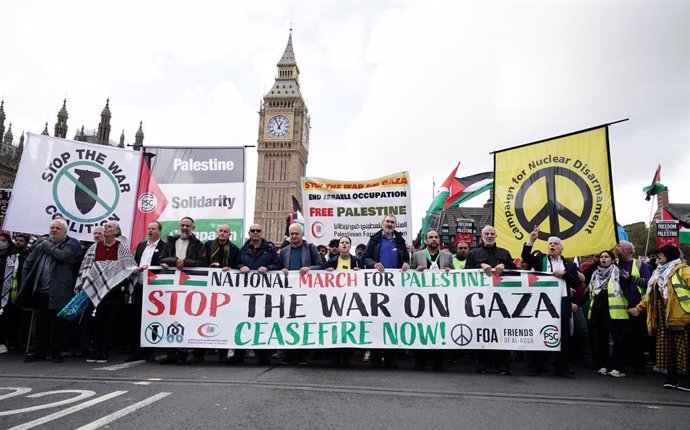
563 186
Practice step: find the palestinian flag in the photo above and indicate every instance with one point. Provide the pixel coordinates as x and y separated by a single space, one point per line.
467 188
656 187
455 190
684 235
160 277
151 202
193 278
294 217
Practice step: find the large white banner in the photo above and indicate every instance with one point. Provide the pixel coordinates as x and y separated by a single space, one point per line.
86 184
356 208
209 308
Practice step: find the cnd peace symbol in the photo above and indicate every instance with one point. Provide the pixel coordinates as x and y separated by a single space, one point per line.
553 208
461 334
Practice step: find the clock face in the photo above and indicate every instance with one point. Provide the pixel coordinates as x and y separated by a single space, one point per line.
305 134
279 126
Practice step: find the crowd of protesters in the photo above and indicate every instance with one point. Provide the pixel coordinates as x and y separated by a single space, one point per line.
621 312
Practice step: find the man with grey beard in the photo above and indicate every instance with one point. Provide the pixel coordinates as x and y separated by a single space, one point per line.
47 286
182 251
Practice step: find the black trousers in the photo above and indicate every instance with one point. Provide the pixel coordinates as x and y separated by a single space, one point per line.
538 360
601 326
50 330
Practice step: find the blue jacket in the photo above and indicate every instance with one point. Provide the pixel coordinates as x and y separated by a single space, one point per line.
371 255
265 255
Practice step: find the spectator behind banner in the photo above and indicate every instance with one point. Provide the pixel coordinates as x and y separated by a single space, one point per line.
462 250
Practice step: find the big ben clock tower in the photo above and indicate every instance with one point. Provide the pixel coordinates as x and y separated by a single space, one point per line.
283 148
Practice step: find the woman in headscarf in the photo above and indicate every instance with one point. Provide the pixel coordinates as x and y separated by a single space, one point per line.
667 302
608 315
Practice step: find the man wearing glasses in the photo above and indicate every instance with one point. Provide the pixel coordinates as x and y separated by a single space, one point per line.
260 255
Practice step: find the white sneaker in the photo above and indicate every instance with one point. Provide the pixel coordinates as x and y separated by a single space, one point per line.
616 374
602 371
3 349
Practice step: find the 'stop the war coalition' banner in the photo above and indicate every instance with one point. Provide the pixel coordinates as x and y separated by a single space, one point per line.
83 183
211 308
207 184
355 208
563 186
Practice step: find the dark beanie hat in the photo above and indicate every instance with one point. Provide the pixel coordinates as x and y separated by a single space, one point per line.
670 251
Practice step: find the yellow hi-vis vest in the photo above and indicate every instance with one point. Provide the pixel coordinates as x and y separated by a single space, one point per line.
618 304
683 292
635 271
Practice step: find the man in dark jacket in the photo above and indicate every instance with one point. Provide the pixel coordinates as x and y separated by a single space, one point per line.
260 255
147 254
492 259
386 249
553 262
183 251
298 256
222 254
47 286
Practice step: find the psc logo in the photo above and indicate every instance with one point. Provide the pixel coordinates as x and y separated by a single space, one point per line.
551 336
147 202
208 330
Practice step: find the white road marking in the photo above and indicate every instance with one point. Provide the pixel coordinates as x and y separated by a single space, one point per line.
80 395
121 366
68 411
18 391
142 383
122 412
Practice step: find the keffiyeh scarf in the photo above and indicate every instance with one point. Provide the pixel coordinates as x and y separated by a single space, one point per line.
660 276
97 278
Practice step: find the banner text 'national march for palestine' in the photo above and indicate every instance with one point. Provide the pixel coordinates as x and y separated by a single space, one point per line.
210 308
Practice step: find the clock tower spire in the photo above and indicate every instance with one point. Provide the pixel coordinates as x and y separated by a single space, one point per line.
282 146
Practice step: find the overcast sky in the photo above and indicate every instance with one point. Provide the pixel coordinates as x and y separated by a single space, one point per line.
390 85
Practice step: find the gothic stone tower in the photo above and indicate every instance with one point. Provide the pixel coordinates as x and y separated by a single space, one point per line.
283 148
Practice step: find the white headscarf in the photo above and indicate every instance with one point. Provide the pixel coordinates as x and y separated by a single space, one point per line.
660 276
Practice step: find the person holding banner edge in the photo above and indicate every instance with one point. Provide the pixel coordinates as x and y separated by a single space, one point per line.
386 249
553 262
492 259
182 251
260 255
302 256
147 254
431 258
344 261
